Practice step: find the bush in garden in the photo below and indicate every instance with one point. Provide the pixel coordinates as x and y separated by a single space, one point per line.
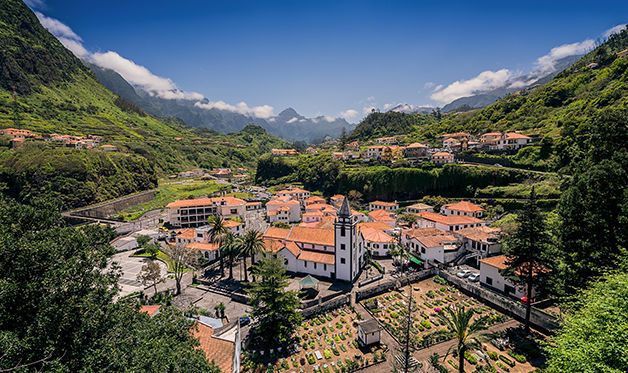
520 358
493 355
468 356
507 360
327 354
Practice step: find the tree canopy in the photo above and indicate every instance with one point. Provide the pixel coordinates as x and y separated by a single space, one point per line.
58 308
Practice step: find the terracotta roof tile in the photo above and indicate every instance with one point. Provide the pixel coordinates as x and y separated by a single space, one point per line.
318 257
449 220
217 350
465 206
319 236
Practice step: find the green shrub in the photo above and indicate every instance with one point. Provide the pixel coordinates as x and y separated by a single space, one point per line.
520 358
493 355
470 358
507 360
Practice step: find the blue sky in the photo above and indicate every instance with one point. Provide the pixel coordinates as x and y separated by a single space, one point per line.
325 57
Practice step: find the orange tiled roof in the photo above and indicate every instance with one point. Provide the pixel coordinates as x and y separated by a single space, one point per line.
423 232
514 135
436 240
498 261
449 220
318 206
317 236
480 234
465 206
274 232
231 223
376 235
186 233
420 206
381 215
281 202
150 310
217 350
202 246
441 154
206 202
373 225
315 199
292 191
382 203
416 145
318 257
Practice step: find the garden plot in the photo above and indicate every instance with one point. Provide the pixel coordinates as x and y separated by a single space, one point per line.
430 296
491 357
326 343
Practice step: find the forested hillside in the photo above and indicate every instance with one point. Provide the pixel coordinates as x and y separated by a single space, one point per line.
45 88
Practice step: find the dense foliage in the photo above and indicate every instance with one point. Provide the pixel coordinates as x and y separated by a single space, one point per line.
75 178
593 209
390 123
57 310
275 309
594 337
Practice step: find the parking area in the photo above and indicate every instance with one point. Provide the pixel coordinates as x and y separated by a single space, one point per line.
131 267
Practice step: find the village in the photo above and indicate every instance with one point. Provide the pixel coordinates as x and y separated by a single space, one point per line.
390 149
355 265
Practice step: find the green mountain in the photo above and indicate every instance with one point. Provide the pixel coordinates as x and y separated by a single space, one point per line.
45 88
595 83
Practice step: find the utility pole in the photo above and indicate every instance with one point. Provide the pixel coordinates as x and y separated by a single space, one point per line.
408 324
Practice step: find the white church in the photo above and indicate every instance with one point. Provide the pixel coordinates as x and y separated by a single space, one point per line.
323 251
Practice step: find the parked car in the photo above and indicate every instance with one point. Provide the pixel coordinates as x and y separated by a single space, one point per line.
245 320
474 277
464 273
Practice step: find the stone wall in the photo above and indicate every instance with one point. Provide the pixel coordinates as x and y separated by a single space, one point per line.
107 209
392 284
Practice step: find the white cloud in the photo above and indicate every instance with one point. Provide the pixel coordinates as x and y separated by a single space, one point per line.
615 30
485 81
546 64
292 120
264 111
33 4
57 28
349 114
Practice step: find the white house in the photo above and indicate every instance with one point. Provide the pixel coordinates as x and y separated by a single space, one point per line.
419 207
441 158
462 208
491 275
294 193
381 205
283 209
432 245
376 238
484 241
447 223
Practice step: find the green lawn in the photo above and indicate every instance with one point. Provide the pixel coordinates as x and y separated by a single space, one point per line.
163 257
172 190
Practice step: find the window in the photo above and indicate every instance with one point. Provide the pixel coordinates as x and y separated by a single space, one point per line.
285 261
234 211
342 231
342 261
325 267
315 265
305 264
489 281
423 250
343 246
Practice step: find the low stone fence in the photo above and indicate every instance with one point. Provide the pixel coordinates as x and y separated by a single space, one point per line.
337 301
393 283
538 318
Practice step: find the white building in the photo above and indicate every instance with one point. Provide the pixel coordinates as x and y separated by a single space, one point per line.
283 209
432 245
419 207
504 141
326 252
381 205
369 332
376 238
491 275
484 241
462 208
294 193
441 158
196 212
445 223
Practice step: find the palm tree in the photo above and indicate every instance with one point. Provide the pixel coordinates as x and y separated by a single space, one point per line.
458 321
217 235
231 248
251 243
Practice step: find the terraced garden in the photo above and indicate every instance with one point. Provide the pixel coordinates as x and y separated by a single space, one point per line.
326 343
430 296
